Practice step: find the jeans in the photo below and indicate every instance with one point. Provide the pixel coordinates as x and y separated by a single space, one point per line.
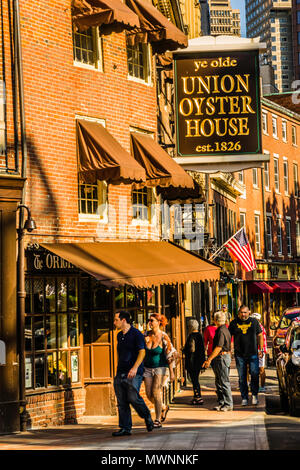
127 393
221 368
241 365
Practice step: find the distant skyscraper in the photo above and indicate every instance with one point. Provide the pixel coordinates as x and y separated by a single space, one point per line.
224 19
296 38
271 21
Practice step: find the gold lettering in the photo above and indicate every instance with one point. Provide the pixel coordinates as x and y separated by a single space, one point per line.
190 107
218 131
234 105
198 102
210 107
201 83
245 84
190 128
212 127
243 126
221 99
233 129
246 101
185 88
231 80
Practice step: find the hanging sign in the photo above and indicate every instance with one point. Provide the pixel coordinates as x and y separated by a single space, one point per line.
217 107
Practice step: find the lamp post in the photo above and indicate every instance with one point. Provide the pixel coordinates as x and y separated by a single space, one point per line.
28 226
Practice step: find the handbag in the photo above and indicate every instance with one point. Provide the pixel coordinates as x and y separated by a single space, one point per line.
171 353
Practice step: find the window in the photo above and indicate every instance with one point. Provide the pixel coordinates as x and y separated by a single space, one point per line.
267 175
265 122
294 135
284 131
141 204
139 62
295 176
257 234
51 332
87 48
242 219
269 234
286 176
241 177
92 198
298 237
288 236
279 236
276 174
255 177
274 126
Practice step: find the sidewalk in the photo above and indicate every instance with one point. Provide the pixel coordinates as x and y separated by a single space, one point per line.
187 427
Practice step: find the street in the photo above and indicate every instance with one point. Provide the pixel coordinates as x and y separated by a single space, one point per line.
187 428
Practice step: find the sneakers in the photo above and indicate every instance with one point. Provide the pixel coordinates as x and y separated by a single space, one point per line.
226 408
244 402
121 432
217 408
254 400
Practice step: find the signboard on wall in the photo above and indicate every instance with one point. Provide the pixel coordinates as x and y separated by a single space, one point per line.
217 107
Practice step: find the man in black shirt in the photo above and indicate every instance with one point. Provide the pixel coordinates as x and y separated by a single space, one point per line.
220 360
247 334
129 377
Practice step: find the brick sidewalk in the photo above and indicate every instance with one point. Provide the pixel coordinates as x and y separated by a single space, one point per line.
187 427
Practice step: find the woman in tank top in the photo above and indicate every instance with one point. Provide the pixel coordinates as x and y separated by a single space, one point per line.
156 365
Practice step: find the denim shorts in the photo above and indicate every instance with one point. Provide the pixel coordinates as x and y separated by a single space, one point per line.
152 371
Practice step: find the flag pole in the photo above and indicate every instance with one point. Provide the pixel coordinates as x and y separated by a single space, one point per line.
222 247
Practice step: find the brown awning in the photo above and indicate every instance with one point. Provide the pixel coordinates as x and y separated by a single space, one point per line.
161 169
140 264
155 28
102 157
104 13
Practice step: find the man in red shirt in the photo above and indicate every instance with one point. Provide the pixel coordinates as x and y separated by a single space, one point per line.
208 336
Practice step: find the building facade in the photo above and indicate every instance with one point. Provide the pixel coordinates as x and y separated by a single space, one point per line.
272 22
296 38
224 20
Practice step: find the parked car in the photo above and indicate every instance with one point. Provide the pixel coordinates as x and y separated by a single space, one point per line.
288 370
285 320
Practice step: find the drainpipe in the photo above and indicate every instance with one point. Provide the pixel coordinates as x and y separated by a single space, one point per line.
21 293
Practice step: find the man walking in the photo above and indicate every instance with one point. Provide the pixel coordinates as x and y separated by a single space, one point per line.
220 359
248 336
129 377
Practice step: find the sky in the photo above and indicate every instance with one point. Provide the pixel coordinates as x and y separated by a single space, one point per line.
240 4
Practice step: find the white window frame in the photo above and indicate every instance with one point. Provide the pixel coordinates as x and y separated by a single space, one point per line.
295 179
98 54
267 175
284 130
274 127
102 210
265 122
288 235
298 238
286 176
294 135
255 172
269 234
257 232
279 245
276 182
243 216
147 56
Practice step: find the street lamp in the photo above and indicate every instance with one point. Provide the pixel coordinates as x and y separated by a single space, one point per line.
28 226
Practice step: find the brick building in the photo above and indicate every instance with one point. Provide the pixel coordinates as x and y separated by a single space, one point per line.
95 174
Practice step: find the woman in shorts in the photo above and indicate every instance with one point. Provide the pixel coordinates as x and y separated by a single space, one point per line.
157 368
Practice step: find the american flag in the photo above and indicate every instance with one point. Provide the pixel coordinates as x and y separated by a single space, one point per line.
240 248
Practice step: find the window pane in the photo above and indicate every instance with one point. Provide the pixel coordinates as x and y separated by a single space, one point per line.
28 372
75 366
51 331
74 330
52 368
62 331
62 367
131 299
73 294
28 333
101 327
39 334
38 295
61 294
100 296
50 301
119 297
85 294
86 328
39 366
